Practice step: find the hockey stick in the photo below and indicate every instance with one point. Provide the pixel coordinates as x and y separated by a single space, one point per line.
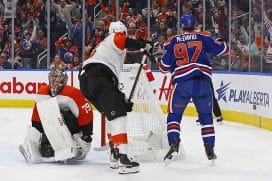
146 54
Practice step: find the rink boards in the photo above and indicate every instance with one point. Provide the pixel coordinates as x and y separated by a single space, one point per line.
243 98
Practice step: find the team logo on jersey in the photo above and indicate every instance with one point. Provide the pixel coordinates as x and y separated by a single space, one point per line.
221 91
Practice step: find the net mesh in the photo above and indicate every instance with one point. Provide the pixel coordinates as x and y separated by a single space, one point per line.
146 125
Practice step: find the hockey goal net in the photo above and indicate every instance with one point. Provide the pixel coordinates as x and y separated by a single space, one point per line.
146 124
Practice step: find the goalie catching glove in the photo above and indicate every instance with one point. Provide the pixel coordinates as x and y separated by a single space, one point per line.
84 143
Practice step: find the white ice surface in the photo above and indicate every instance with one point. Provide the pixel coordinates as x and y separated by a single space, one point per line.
244 154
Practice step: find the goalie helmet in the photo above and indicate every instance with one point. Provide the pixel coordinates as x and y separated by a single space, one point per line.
57 80
117 26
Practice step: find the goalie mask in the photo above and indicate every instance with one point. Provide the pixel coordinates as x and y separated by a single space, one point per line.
117 26
57 80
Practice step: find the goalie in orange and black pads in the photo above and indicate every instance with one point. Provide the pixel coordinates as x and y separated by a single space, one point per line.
62 123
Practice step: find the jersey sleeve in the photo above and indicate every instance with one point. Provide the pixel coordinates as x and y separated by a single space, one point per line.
216 47
165 61
83 110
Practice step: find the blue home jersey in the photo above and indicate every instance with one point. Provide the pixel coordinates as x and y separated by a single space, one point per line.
185 55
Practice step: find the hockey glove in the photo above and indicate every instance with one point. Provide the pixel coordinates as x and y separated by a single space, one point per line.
151 47
129 106
148 45
83 142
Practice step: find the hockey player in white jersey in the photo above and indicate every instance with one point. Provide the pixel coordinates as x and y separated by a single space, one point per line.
99 81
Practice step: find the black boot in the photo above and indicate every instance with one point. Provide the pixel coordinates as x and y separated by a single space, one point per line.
210 152
219 120
126 165
172 153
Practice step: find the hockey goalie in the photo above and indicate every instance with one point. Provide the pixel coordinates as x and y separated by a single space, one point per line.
62 123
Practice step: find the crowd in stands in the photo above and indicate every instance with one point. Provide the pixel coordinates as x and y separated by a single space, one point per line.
250 39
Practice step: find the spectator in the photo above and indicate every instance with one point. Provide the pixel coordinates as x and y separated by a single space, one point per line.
41 41
57 62
90 25
171 20
66 49
17 63
162 29
59 28
4 64
28 51
75 32
63 9
77 64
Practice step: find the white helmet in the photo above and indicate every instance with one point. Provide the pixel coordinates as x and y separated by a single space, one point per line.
117 26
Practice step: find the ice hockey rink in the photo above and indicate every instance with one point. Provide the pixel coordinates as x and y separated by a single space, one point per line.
244 154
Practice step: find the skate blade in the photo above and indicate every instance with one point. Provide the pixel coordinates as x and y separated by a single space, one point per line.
169 161
125 170
25 153
220 123
212 162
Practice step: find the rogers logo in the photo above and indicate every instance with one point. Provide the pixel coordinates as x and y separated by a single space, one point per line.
19 87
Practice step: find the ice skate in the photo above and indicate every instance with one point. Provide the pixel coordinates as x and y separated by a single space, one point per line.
172 153
127 166
210 153
114 156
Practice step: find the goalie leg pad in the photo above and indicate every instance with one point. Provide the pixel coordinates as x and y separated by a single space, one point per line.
31 144
56 131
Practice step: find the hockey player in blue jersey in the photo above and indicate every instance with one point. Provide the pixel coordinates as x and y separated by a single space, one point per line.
185 58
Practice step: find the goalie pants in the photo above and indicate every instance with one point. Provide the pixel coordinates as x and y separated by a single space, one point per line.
199 89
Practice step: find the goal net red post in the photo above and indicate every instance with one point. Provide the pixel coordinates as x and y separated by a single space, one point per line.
146 124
